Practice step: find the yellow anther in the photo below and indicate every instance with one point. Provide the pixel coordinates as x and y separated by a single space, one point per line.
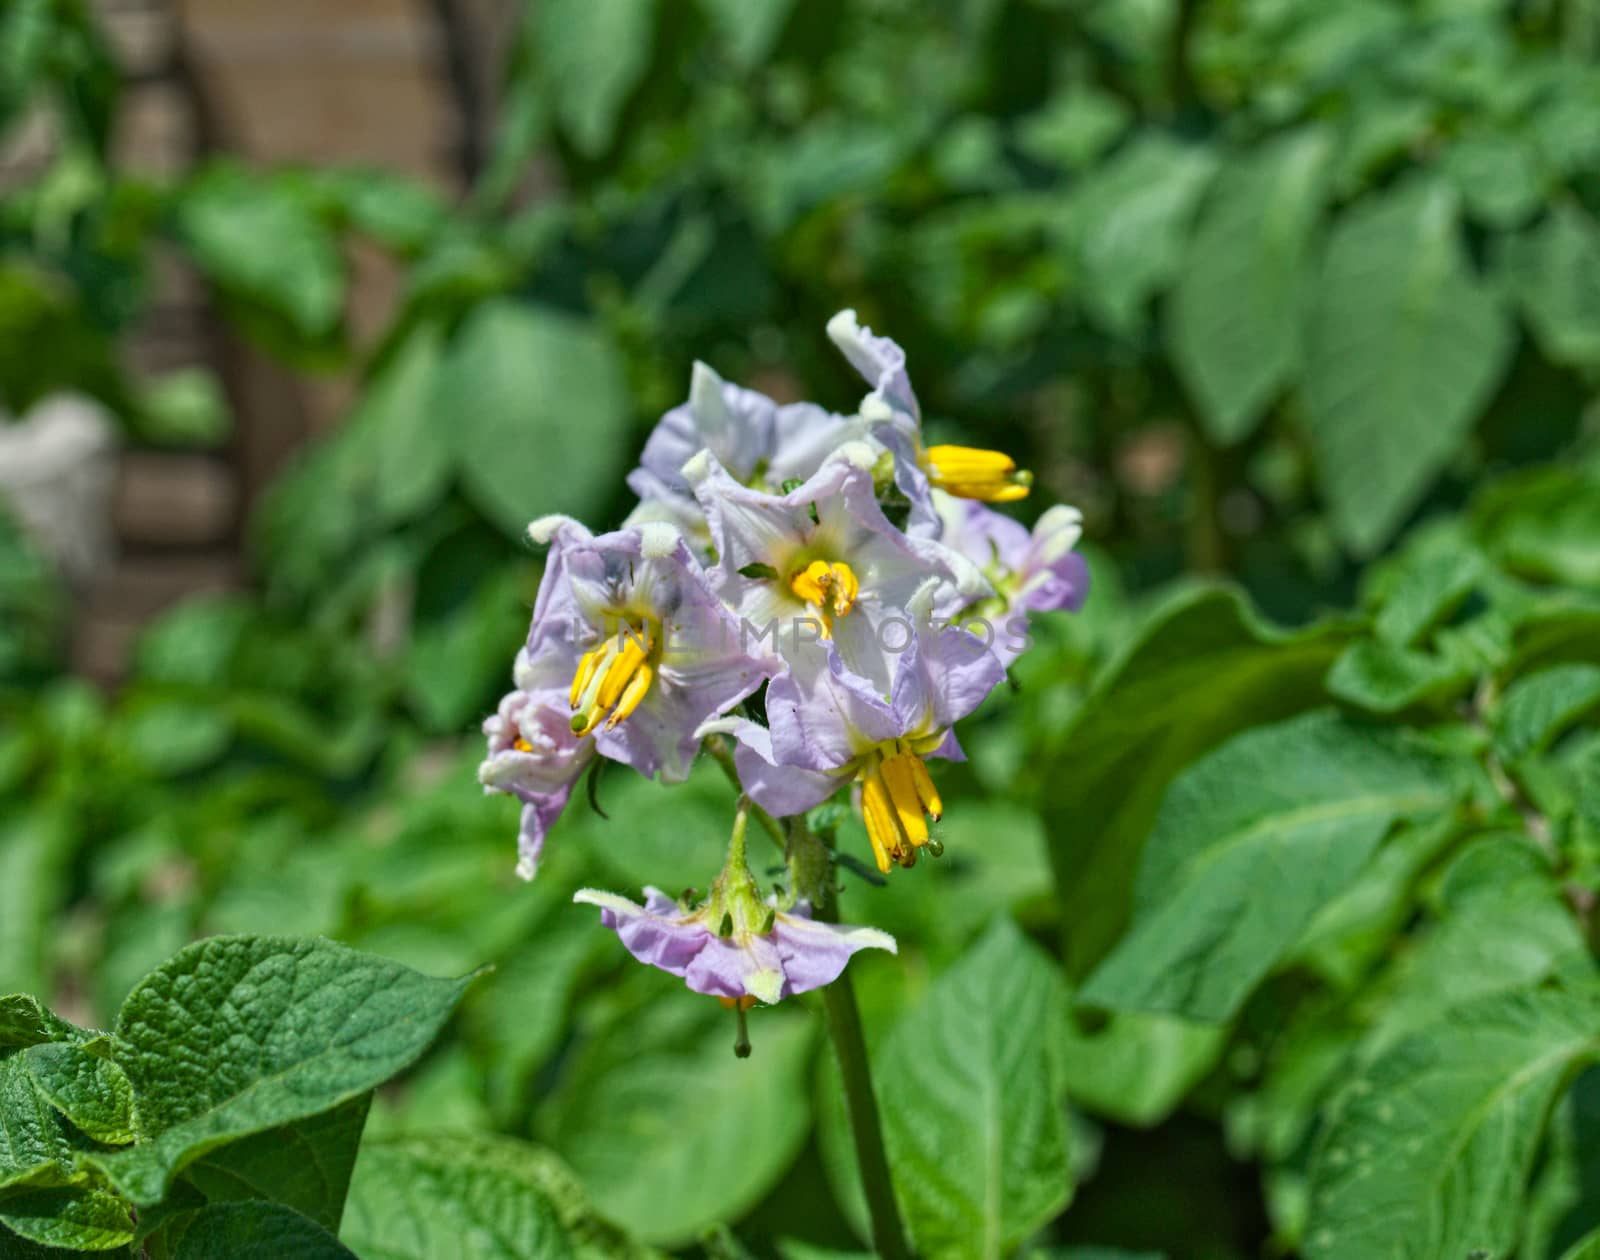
831 588
521 745
896 796
612 679
971 473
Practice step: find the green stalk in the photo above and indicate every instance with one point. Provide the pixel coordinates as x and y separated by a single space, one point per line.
849 1043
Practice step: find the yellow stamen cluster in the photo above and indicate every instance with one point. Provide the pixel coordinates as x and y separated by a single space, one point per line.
896 793
970 473
831 588
612 680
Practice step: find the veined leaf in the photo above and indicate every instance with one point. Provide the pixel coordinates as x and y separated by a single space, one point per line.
1235 326
1250 842
1405 346
1538 707
88 1088
253 1230
240 1034
1429 1149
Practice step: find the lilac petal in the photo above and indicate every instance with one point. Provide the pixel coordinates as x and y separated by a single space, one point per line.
539 814
657 933
945 676
733 423
814 954
780 790
803 436
731 967
821 719
881 362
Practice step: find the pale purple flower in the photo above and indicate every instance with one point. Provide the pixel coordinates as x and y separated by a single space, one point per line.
535 756
768 954
823 563
1030 572
758 441
627 627
829 727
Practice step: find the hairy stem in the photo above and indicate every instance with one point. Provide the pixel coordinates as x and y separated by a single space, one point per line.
718 749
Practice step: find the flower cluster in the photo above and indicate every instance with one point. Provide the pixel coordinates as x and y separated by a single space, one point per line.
817 598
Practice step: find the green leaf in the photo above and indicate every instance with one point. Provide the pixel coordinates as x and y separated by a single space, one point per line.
1202 667
79 1218
1135 1067
538 410
87 1088
33 855
1384 678
1428 1150
1234 340
1586 1248
261 241
304 1165
253 1231
1538 707
405 431
1542 524
1249 843
1074 128
1405 347
657 1116
593 53
1129 223
1422 586
34 1150
1553 272
445 1197
748 31
24 1021
971 1103
1498 177
240 1034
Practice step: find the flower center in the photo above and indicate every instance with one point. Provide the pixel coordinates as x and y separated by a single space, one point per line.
970 473
829 587
897 799
612 679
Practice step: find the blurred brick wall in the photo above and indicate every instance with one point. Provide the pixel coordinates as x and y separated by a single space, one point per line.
306 81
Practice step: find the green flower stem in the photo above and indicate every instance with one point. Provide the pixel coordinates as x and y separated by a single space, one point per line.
720 753
849 1043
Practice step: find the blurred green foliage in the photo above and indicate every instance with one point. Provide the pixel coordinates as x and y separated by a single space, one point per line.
1262 285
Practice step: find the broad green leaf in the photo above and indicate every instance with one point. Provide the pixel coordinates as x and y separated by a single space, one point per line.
972 1105
657 1116
24 1021
33 853
1405 346
538 410
1073 128
1539 707
253 1230
1130 221
1385 678
1586 1248
444 1197
1235 338
1201 668
1542 524
748 31
1429 1149
1504 927
1134 1067
304 1165
87 1088
1423 585
261 241
1563 1202
593 54
73 1217
1498 177
1250 842
405 431
34 1150
1553 271
238 1034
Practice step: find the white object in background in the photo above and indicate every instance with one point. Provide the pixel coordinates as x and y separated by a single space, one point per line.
58 466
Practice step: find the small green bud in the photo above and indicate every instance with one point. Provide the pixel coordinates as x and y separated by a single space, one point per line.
758 570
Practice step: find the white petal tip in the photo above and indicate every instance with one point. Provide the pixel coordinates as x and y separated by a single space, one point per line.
657 540
698 467
858 454
875 409
545 528
843 326
527 868
765 986
718 726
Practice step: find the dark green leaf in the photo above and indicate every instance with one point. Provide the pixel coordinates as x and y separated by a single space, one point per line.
88 1088
237 1035
254 1231
79 1218
1553 271
1249 843
1384 678
1405 346
1233 335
